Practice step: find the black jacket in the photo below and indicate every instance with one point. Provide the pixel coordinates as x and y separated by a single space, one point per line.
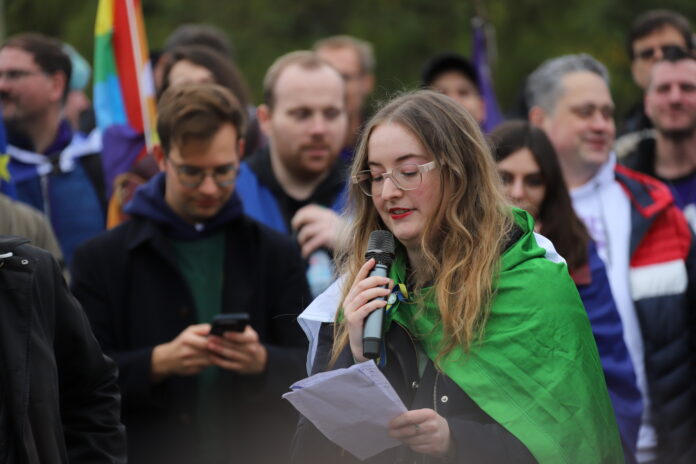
661 244
642 157
477 437
136 298
59 391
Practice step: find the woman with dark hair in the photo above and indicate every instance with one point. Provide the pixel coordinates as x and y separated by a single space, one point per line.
533 181
491 366
197 63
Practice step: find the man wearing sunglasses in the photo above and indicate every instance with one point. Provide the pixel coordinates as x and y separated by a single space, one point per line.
652 34
151 286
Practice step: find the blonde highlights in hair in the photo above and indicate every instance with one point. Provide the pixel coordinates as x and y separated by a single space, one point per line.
462 243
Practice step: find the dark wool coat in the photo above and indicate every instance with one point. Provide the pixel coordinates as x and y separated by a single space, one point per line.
136 298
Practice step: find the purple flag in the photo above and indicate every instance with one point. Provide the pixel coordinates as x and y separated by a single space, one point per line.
480 60
122 146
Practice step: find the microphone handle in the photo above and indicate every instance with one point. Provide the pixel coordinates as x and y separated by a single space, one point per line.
372 331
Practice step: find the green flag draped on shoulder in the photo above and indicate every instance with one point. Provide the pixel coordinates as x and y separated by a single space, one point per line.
536 370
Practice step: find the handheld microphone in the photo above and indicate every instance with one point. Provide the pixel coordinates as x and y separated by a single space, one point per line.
381 247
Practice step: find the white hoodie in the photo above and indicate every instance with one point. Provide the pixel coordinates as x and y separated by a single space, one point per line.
605 209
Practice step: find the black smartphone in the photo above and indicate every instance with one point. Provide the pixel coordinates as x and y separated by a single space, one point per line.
229 322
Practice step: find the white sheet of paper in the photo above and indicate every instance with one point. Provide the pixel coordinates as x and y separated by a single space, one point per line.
352 407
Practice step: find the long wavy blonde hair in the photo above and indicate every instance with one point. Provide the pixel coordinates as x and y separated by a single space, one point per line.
463 241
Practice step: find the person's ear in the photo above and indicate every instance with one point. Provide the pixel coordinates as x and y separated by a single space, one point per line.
158 154
263 114
240 148
59 82
537 116
647 106
368 83
483 112
637 74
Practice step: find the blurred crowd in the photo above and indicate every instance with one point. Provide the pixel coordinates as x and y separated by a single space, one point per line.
243 207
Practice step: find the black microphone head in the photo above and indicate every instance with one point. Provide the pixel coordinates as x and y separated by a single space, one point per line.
381 247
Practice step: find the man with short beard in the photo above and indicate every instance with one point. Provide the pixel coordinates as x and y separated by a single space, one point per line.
670 103
296 184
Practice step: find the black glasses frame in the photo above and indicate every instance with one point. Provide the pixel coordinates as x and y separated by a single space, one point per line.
200 174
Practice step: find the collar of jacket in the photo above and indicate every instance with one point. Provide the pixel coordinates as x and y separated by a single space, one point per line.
8 243
147 230
64 135
648 195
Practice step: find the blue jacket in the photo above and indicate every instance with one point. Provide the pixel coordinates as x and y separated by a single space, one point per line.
616 362
66 183
260 203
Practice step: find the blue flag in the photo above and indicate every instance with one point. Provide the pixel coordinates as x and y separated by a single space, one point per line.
5 186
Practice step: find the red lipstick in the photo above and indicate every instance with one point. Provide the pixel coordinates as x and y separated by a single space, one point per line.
399 213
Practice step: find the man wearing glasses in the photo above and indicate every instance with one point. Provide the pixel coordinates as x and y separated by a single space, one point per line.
52 168
151 286
652 34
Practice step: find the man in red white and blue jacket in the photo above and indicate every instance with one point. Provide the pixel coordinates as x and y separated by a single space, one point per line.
644 240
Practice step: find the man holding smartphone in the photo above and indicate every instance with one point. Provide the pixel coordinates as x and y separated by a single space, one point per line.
151 286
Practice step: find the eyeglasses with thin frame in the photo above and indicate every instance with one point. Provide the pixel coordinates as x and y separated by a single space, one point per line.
14 75
192 176
649 53
405 177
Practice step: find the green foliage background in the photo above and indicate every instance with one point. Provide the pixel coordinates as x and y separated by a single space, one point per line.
404 32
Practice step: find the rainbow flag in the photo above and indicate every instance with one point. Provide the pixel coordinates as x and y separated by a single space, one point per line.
124 92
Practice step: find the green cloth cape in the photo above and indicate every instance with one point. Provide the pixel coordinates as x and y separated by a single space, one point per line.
536 370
